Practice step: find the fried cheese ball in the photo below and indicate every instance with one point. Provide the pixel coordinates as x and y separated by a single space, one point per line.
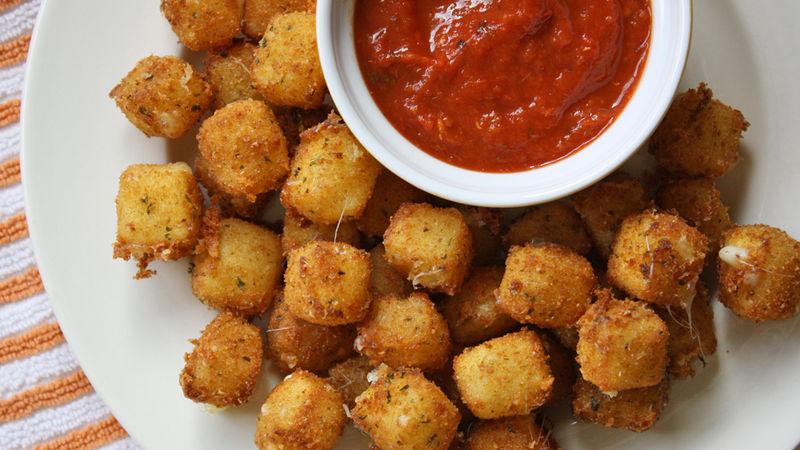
431 246
657 257
243 151
700 136
228 73
401 410
222 368
606 204
698 202
303 412
159 214
390 192
506 376
204 25
634 409
331 177
622 345
691 336
405 332
299 231
241 270
562 366
286 69
163 96
473 314
328 283
294 121
349 377
484 226
556 223
385 280
547 285
259 13
759 273
293 343
510 433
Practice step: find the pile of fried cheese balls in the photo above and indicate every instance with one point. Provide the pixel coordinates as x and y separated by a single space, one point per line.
428 324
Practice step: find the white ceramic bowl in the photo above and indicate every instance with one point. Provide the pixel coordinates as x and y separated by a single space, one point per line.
672 23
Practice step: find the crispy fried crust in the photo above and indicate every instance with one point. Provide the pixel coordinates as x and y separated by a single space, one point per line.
547 285
485 226
699 136
299 231
163 96
259 13
431 246
763 282
401 410
222 368
228 73
556 223
562 366
302 413
385 280
473 314
657 257
205 25
510 433
698 202
293 343
159 211
390 192
349 377
634 410
331 176
622 344
505 376
405 332
327 283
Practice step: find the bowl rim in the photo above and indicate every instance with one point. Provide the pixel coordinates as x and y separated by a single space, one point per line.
341 94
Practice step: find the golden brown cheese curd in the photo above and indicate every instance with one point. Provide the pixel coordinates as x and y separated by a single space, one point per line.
606 204
657 257
349 377
159 212
385 280
506 376
567 336
328 283
698 201
204 25
510 433
556 223
286 69
294 121
405 332
222 368
759 273
562 366
303 412
484 226
401 410
622 345
691 336
634 409
243 151
293 343
228 73
241 271
473 314
163 96
431 246
299 231
700 136
547 285
331 176
390 192
259 13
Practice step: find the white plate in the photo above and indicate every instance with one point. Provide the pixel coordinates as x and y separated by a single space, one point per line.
130 336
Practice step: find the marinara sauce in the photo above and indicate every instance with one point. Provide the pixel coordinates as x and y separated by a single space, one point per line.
501 85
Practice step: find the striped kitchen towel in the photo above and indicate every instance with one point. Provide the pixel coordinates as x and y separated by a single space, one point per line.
46 402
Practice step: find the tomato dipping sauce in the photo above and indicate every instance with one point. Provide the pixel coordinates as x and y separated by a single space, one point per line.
501 85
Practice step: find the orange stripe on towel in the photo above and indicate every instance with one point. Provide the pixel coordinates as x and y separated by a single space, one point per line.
15 51
13 229
9 112
21 286
8 4
35 340
9 172
89 437
54 393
